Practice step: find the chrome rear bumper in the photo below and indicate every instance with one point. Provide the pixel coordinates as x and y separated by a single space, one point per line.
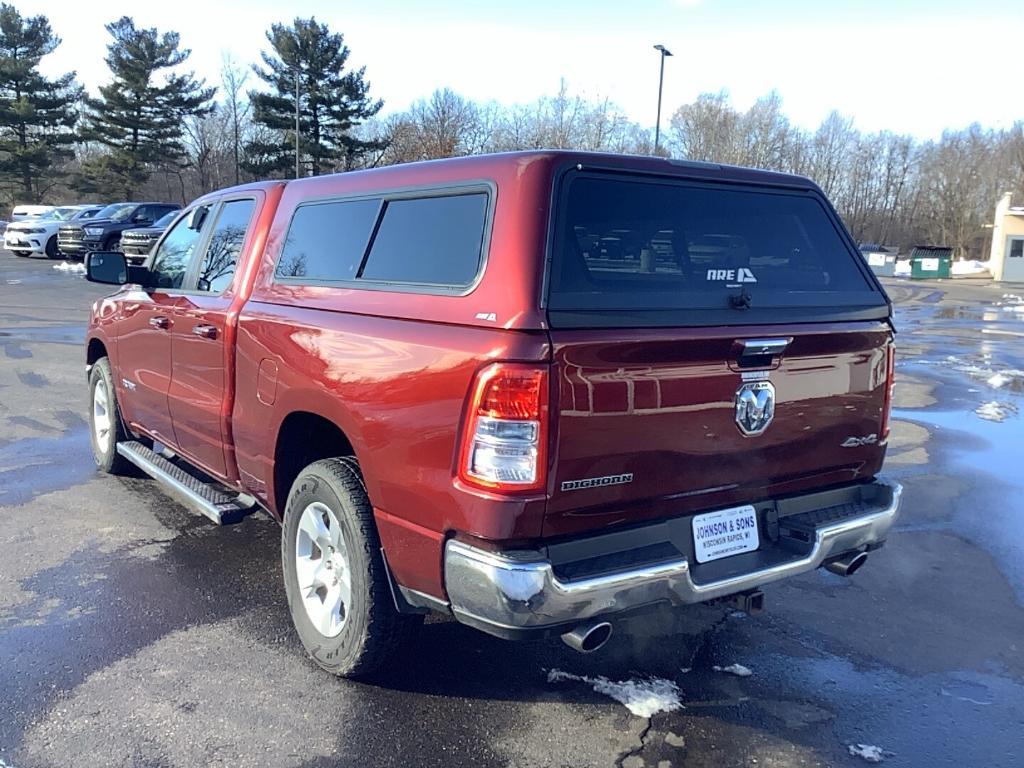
511 592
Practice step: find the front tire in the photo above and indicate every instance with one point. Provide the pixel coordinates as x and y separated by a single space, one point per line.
105 427
334 575
51 248
22 254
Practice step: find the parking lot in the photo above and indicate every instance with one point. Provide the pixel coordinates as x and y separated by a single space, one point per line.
134 632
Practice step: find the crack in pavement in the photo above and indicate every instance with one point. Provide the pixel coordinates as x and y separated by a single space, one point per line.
620 761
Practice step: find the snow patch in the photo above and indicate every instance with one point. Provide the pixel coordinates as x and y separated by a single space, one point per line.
643 698
991 376
735 669
869 752
70 268
969 267
995 411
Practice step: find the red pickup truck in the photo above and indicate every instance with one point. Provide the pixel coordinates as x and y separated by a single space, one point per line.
535 391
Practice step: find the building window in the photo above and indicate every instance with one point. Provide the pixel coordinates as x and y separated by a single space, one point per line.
1017 248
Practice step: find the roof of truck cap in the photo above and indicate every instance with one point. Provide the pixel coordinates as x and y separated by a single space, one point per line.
481 165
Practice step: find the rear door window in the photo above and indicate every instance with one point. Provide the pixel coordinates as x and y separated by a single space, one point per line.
221 257
174 254
733 253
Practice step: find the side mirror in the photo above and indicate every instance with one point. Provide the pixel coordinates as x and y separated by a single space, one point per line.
197 217
107 267
112 268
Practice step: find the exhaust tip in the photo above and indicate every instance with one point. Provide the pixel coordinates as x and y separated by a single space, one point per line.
588 638
847 565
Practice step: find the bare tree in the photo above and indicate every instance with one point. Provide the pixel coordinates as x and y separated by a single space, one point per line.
707 129
233 78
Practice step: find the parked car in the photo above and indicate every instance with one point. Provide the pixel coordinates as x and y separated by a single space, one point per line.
39 235
103 233
137 243
22 212
452 405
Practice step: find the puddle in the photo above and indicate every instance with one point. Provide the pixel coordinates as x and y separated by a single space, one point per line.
988 454
57 334
37 465
899 711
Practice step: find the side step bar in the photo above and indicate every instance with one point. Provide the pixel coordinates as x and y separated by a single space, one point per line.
219 505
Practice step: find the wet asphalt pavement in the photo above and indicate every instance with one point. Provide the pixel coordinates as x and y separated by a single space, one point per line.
133 632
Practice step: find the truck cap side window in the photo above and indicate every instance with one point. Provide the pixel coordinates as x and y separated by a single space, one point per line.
326 241
432 241
429 240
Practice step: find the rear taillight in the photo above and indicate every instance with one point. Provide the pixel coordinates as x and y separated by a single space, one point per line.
503 446
890 381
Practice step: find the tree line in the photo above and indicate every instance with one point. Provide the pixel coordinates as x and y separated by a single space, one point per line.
156 130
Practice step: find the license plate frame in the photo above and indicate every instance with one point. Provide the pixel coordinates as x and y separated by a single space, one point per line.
725 533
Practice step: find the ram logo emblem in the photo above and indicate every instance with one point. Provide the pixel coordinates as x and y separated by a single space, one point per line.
755 407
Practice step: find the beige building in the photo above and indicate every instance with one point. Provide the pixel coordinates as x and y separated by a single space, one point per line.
1007 258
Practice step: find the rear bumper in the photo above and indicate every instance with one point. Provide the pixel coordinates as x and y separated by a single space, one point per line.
511 594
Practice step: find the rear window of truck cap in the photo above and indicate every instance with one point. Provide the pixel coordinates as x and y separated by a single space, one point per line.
645 250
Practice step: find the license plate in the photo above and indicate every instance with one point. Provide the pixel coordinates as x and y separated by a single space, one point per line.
725 533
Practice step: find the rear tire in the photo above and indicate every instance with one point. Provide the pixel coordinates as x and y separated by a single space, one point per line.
106 429
51 248
331 554
22 254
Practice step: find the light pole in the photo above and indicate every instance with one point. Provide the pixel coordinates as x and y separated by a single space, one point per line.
661 79
296 122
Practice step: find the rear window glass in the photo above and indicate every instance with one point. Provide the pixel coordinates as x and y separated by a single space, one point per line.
326 241
429 240
644 245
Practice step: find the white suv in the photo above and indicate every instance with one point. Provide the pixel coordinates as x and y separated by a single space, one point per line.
39 235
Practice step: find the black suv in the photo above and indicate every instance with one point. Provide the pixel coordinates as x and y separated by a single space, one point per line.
137 243
103 231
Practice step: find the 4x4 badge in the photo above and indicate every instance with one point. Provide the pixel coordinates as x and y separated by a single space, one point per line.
755 407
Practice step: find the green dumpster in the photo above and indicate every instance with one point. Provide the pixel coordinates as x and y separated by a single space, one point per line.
930 262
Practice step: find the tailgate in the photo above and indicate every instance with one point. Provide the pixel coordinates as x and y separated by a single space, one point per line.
682 315
647 423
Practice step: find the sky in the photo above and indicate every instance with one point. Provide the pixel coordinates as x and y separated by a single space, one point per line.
907 66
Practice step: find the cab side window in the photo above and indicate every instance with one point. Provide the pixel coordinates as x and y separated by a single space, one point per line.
221 256
173 256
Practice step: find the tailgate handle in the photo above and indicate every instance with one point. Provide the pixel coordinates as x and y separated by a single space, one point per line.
763 347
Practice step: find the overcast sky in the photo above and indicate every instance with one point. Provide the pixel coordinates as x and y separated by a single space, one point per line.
908 66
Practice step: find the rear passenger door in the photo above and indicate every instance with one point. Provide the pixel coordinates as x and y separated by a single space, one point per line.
203 338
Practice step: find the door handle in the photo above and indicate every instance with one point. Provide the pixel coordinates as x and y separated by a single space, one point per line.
160 322
759 347
205 331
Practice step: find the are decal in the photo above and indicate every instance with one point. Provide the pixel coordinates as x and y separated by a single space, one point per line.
741 275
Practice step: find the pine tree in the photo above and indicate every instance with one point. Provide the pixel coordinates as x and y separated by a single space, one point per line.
332 102
37 114
140 114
